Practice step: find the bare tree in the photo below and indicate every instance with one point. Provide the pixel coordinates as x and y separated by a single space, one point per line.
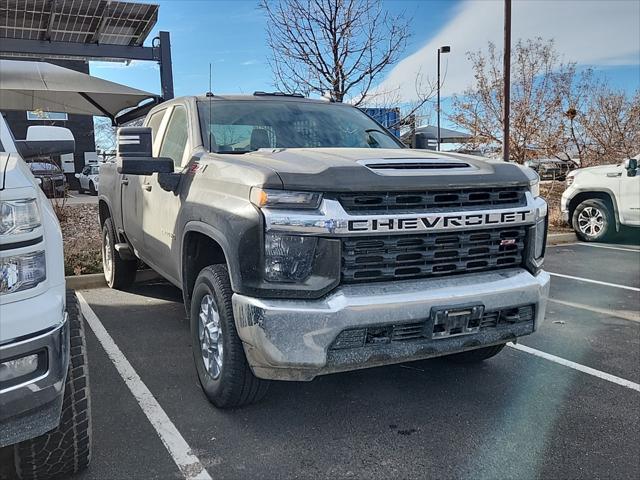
335 47
536 97
104 134
612 123
556 111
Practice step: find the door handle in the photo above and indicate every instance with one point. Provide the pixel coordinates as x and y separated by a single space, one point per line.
613 175
124 181
147 187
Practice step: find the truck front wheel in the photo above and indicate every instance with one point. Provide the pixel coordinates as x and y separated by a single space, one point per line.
67 449
592 220
119 274
219 356
477 355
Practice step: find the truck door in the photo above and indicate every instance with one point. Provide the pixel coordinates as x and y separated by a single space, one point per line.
133 207
161 246
629 203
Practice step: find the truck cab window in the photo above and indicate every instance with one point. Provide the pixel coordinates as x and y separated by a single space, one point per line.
176 137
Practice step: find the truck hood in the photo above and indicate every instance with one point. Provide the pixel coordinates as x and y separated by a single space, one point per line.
599 170
357 169
14 173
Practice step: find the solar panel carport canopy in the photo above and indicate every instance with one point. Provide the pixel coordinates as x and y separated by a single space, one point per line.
78 21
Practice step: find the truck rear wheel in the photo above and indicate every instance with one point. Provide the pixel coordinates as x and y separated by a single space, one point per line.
222 367
67 449
119 274
477 355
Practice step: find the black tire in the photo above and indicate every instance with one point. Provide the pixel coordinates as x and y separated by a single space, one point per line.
122 273
67 449
92 189
597 209
235 385
477 355
80 189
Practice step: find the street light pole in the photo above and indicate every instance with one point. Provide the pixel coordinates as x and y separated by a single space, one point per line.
506 66
443 49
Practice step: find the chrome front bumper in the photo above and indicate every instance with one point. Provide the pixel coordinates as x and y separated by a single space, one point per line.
31 406
291 339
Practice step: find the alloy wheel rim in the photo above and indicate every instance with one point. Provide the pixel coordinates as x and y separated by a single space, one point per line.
107 259
210 336
591 221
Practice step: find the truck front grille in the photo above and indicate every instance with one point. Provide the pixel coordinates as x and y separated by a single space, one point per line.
407 202
394 257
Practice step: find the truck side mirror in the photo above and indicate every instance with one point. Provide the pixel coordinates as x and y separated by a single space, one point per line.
631 166
44 141
135 155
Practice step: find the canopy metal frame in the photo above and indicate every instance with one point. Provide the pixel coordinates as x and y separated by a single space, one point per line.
88 30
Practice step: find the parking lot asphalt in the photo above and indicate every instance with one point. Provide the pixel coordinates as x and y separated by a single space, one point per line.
517 415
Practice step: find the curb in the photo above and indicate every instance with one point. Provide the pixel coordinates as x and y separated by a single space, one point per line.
96 280
558 238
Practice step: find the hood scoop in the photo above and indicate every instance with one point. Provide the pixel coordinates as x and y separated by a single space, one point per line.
424 166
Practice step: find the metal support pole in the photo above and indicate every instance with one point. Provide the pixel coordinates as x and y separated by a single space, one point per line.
438 106
166 71
506 79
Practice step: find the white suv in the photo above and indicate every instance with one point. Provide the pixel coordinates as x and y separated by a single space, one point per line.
598 200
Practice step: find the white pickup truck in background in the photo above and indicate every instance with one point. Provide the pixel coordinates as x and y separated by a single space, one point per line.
599 200
45 415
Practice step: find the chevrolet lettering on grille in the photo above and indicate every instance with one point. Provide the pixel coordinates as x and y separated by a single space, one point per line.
438 222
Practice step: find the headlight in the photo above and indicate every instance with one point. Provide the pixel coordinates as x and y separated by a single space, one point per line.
288 258
20 272
284 199
534 187
19 216
569 180
540 238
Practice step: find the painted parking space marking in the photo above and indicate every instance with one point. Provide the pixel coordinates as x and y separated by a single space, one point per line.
623 248
624 314
609 247
178 448
577 366
597 282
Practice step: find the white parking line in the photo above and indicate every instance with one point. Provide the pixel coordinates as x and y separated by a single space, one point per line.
597 282
178 448
608 247
576 366
624 314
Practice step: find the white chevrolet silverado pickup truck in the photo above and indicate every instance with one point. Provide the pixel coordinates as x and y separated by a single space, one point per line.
599 200
45 422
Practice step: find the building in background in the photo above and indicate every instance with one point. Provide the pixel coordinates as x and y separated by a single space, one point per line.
70 34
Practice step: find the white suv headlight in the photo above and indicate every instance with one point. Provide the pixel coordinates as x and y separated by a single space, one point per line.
19 216
20 272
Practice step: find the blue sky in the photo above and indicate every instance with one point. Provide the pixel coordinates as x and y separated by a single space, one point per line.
231 35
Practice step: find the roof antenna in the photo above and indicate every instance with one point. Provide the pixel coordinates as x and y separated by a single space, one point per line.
210 95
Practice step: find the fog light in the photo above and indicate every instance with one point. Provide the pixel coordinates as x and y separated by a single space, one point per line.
18 367
288 258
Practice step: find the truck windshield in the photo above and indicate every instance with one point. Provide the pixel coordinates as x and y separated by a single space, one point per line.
244 126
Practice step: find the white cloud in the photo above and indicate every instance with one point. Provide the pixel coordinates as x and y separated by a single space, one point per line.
603 33
250 62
